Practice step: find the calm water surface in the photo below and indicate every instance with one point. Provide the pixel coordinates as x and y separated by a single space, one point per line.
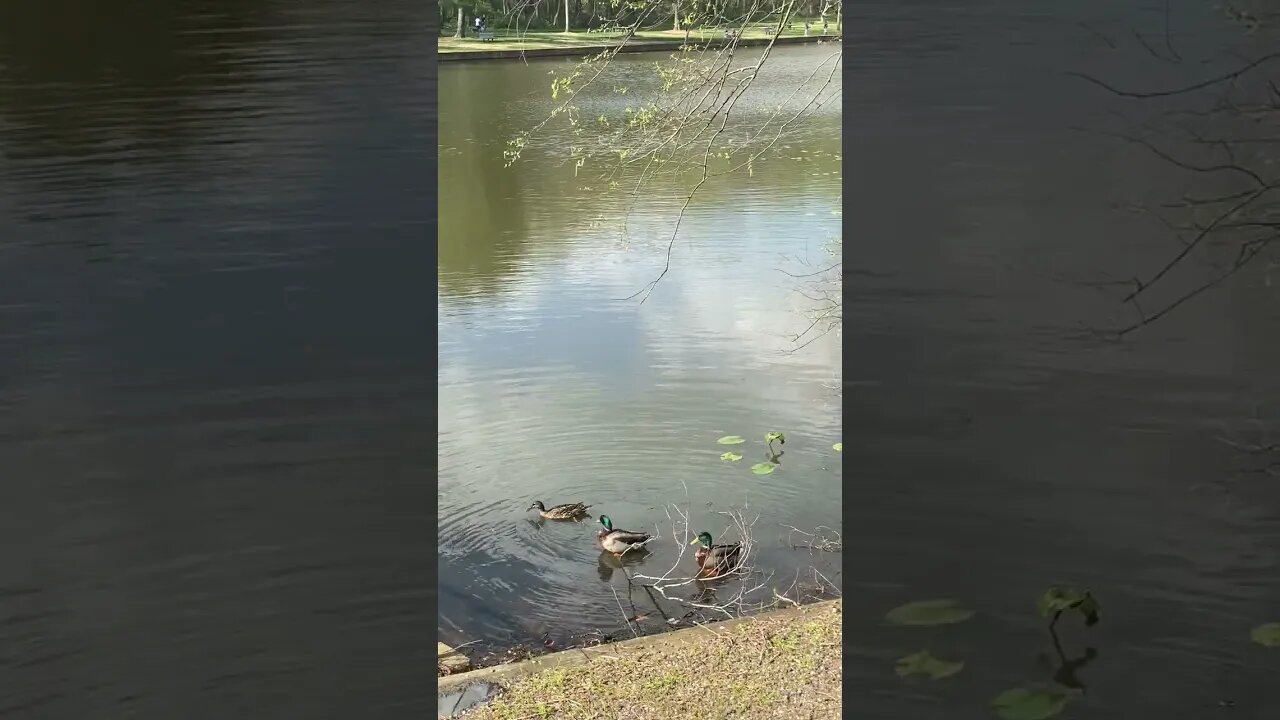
214 359
995 448
553 388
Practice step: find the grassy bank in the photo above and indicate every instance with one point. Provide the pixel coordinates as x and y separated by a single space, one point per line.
776 665
509 39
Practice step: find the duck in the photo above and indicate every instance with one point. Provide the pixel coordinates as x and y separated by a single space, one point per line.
715 560
567 511
619 542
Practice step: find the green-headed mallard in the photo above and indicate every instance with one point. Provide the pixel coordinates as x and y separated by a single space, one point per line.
619 541
567 511
715 560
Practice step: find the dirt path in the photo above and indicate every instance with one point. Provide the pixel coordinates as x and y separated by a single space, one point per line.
778 665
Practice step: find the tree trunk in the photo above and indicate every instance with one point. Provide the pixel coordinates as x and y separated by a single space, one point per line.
839 16
675 14
566 15
458 33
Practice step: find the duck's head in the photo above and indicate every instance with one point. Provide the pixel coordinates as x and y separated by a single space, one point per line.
606 522
537 505
704 539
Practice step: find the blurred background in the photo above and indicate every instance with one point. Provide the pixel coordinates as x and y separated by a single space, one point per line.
215 358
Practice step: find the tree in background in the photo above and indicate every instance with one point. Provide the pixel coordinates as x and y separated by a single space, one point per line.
568 15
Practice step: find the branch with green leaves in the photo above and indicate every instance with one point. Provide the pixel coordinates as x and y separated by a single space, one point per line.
683 121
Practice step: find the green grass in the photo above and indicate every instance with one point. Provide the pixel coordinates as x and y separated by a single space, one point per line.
766 668
505 39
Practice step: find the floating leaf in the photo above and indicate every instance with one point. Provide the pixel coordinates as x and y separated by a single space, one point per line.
929 612
763 468
1024 704
1058 600
731 456
838 447
731 440
924 663
779 437
1266 635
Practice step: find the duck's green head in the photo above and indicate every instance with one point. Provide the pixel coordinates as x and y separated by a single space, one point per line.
704 538
606 522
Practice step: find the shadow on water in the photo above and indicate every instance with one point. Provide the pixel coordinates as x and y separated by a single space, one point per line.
608 563
1065 669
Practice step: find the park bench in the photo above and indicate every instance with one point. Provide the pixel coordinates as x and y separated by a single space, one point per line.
770 31
486 36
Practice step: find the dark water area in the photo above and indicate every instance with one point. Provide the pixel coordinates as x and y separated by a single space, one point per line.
215 385
1000 446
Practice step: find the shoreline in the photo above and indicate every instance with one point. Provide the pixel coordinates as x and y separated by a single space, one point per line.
654 655
632 47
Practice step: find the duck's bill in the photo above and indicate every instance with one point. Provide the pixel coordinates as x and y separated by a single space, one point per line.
694 541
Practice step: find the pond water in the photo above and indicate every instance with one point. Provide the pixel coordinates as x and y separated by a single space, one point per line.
215 385
998 447
555 388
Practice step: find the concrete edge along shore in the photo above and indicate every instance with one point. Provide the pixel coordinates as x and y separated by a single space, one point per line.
632 47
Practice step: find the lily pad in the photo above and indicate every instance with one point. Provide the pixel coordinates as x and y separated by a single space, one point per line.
838 447
1266 635
731 456
763 468
1026 704
924 663
929 612
732 440
782 439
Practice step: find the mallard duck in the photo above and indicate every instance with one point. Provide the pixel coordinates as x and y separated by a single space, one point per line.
619 541
715 560
567 511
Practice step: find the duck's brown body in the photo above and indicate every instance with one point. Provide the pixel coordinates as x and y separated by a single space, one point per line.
619 541
567 511
716 560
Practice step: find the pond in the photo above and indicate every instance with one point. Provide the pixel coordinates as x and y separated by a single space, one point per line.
998 445
215 365
555 388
